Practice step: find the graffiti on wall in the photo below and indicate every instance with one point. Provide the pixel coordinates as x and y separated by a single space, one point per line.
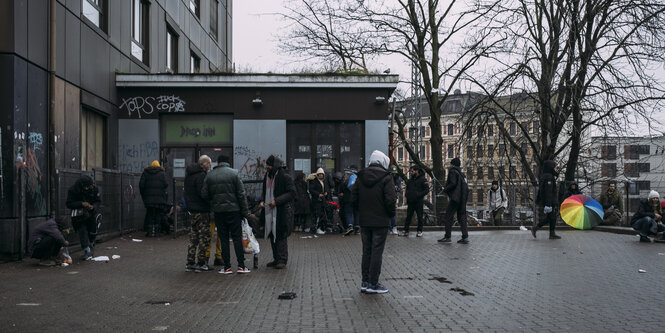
138 105
252 163
135 157
36 140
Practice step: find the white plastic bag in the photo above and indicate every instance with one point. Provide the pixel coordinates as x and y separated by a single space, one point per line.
249 242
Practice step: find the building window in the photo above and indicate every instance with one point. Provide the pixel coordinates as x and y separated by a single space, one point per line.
469 151
194 63
479 148
451 151
633 152
421 152
608 170
195 7
400 154
502 150
213 18
469 173
490 151
479 194
171 50
644 167
451 129
490 130
479 174
140 24
513 129
413 132
536 127
95 12
513 172
481 130
502 172
93 139
608 153
525 148
490 173
422 131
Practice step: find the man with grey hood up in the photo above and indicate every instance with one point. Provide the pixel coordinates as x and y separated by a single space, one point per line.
374 197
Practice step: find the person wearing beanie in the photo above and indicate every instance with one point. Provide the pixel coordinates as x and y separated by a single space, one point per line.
416 190
497 202
319 189
46 240
153 188
648 219
374 197
457 189
83 199
547 199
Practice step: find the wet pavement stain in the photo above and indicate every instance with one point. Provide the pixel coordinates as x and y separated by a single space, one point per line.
462 292
400 278
440 279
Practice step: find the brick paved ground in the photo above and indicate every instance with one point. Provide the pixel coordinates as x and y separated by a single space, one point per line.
586 282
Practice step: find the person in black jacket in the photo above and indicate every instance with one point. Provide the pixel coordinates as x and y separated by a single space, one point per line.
199 216
547 199
46 239
153 187
319 189
571 189
302 201
374 196
82 199
648 219
279 193
416 190
457 190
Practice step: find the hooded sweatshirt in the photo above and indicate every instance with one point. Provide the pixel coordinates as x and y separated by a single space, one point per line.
547 193
374 193
76 195
194 176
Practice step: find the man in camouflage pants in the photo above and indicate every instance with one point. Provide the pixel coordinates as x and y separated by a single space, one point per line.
199 210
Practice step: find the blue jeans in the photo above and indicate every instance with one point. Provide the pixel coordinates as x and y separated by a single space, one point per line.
646 226
393 222
352 216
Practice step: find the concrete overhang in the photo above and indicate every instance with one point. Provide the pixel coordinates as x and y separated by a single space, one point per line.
372 81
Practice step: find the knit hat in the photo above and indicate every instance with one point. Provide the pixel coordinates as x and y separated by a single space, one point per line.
653 194
271 160
495 182
456 162
320 171
155 163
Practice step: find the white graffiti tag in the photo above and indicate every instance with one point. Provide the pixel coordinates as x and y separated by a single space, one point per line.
147 105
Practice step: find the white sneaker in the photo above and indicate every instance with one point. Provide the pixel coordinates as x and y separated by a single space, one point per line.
306 230
394 231
320 232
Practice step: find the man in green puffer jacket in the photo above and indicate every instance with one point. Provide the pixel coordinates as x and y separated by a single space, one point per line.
226 192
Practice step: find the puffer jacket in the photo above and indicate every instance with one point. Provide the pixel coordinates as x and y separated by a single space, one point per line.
374 196
194 176
226 192
416 188
153 187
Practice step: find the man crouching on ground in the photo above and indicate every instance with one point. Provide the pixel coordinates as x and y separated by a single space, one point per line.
374 197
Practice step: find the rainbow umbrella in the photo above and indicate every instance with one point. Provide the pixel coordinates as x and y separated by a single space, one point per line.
581 212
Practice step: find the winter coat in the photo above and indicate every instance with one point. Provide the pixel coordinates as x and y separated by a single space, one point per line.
194 176
153 187
226 192
496 199
374 196
76 195
645 209
416 188
569 191
315 189
608 200
284 194
547 193
302 201
48 228
456 186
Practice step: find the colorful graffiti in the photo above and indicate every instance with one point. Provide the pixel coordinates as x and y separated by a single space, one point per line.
253 168
33 177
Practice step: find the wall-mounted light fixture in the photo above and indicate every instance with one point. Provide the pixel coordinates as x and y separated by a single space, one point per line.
257 101
379 100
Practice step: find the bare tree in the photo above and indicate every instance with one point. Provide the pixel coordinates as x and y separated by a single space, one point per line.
580 63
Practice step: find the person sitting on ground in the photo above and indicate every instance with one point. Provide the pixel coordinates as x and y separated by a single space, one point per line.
571 189
648 219
612 204
497 202
46 240
82 198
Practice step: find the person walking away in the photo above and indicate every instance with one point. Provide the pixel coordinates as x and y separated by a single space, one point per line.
547 199
612 203
302 202
497 202
46 239
225 191
319 188
199 216
374 197
82 199
278 194
648 219
416 190
153 187
397 180
457 189
351 215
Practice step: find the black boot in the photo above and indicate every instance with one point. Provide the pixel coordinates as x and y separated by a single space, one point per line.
534 228
554 236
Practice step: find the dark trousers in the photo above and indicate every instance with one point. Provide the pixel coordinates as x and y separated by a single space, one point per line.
416 207
459 209
647 226
549 218
154 216
229 225
497 216
374 240
280 249
47 248
351 216
87 230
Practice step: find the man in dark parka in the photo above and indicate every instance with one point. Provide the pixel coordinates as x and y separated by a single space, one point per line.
547 199
153 187
457 190
279 192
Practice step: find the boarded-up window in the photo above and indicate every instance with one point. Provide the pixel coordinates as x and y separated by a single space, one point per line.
93 138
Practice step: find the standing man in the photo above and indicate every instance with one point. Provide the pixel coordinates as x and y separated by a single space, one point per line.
319 189
612 203
199 212
374 197
416 190
279 192
82 198
457 190
497 202
153 187
397 180
547 199
226 192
